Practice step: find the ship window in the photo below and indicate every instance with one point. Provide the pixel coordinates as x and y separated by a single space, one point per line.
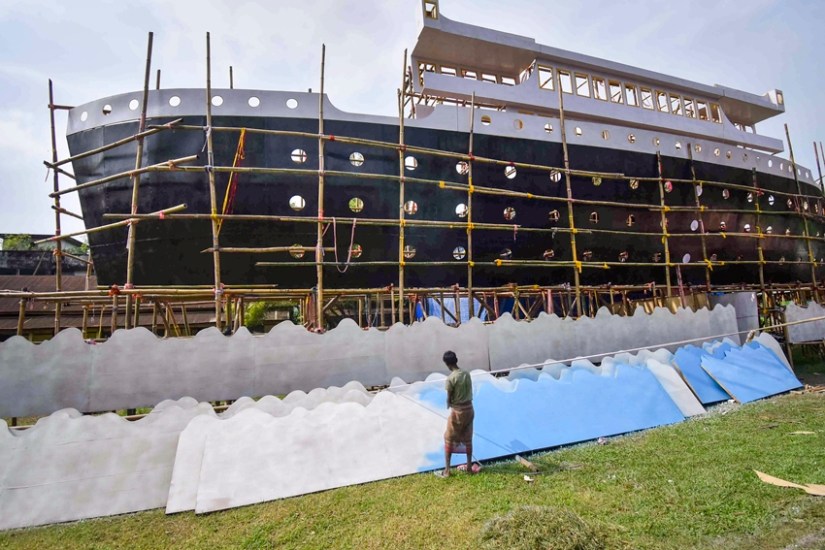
510 172
411 207
657 141
699 190
630 93
431 10
631 138
525 74
448 70
356 159
296 251
579 131
356 250
548 128
623 256
599 88
747 228
582 85
729 155
487 77
356 204
461 210
472 75
486 120
459 252
725 194
616 92
297 203
509 213
587 255
769 230
657 257
634 184
713 257
555 175
298 156
647 98
694 225
292 103
508 80
661 101
702 110
770 163
134 104
631 219
174 101
690 108
254 101
715 113
594 217
723 226
771 199
107 109
549 254
675 104
605 135
668 186
717 152
84 115
553 216
546 78
749 197
518 124
698 147
409 252
410 163
686 259
566 82
462 167
678 145
506 254
428 67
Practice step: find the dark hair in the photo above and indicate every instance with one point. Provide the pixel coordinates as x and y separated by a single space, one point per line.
450 358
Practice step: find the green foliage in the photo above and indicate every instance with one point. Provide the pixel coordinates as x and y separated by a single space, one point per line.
544 527
22 241
255 313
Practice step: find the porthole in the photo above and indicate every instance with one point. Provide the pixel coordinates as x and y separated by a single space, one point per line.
678 145
356 250
694 225
510 172
631 138
790 203
697 148
657 257
409 251
356 204
713 257
506 254
805 206
605 135
463 168
587 255
292 103
83 116
788 231
729 155
486 120
548 128
297 203
254 101
410 207
174 101
657 142
634 184
725 194
631 219
518 124
668 186
107 109
356 159
744 157
747 228
686 259
410 163
461 210
597 181
771 199
298 156
769 230
749 197
699 190
217 101
770 163
555 175
594 217
781 165
554 216
134 104
723 226
579 131
459 252
549 254
623 256
717 152
509 213
297 251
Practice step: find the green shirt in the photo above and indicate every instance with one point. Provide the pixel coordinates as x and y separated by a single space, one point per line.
459 388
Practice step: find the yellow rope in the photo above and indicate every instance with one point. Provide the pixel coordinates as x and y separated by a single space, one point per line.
239 156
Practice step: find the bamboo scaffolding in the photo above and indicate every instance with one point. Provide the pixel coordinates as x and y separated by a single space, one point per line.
759 251
804 219
470 254
114 225
216 255
58 250
401 188
319 246
67 212
664 223
702 231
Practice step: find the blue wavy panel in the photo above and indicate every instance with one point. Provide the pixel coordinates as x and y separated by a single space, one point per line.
689 360
751 373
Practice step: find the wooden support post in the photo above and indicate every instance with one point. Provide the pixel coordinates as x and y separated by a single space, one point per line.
231 79
360 301
136 322
131 238
84 324
470 254
759 252
21 316
154 317
157 81
186 327
210 152
319 245
811 258
113 323
58 250
664 222
443 313
696 190
392 306
401 190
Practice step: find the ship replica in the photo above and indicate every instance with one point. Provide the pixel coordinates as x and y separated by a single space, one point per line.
509 162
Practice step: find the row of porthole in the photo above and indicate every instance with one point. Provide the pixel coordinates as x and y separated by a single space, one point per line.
175 101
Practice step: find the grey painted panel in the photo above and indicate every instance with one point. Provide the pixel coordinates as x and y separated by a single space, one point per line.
805 332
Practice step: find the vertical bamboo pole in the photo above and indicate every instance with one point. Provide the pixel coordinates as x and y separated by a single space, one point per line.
700 216
759 251
319 245
570 221
84 323
157 80
185 319
811 259
136 322
819 169
216 254
58 251
130 241
470 255
664 222
154 317
113 323
21 316
401 190
231 79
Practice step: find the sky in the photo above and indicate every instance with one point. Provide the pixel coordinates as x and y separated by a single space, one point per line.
94 49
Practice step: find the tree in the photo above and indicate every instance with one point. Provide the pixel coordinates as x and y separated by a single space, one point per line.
23 241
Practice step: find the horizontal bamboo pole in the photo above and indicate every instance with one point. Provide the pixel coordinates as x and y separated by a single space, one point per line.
535 263
265 249
122 223
67 212
60 170
78 258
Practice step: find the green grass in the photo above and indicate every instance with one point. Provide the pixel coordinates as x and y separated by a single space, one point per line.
685 486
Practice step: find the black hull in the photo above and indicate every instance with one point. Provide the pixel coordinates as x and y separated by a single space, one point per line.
169 251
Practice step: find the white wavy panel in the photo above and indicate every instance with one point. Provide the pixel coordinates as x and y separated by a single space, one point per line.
71 467
40 378
291 358
412 352
512 343
770 342
805 332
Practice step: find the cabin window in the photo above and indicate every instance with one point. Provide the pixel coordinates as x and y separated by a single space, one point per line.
566 82
431 10
472 75
448 70
647 98
459 252
546 78
486 77
616 92
675 104
715 113
525 74
690 108
427 67
582 85
702 110
508 80
599 88
630 94
661 101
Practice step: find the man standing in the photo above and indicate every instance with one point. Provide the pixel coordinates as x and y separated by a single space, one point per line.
459 435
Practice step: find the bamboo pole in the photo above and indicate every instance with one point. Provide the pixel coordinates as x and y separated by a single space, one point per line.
58 250
216 255
819 169
470 253
401 189
21 316
114 225
570 221
811 257
821 183
664 223
759 252
698 202
132 235
319 245
113 322
67 212
157 80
